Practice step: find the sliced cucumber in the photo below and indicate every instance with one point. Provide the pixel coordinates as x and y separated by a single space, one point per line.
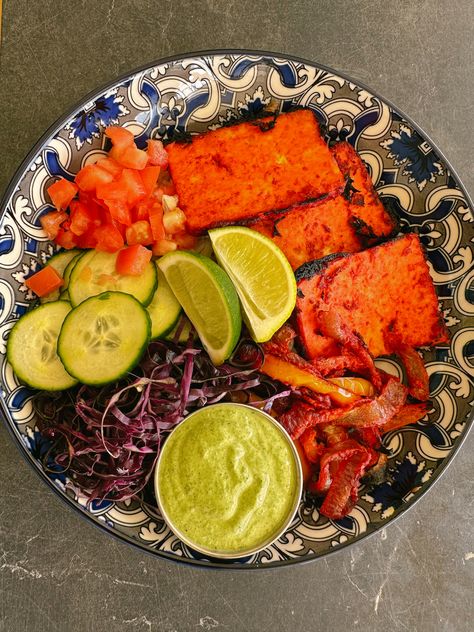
70 267
164 309
95 273
60 263
31 348
104 337
186 330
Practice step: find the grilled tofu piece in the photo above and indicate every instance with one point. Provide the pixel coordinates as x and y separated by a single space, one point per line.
315 229
311 230
364 202
384 293
241 171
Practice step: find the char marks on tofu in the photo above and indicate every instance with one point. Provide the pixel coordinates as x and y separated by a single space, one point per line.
242 171
384 294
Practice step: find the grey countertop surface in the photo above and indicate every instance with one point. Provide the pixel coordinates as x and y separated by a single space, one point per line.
58 573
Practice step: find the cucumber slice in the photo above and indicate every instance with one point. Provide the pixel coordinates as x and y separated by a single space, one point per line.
31 348
70 267
60 263
64 296
104 337
164 309
95 273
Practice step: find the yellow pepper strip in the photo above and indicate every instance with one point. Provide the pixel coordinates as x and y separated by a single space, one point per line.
294 376
356 385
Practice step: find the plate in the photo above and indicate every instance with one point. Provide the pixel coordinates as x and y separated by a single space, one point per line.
201 92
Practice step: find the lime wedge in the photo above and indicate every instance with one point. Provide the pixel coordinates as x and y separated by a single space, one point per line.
261 275
208 298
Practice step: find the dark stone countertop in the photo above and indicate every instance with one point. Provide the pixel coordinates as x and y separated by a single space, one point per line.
58 573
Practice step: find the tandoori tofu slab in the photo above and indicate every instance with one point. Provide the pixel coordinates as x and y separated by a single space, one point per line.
233 173
385 294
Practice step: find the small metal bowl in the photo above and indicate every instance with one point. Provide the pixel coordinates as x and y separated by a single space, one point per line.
234 554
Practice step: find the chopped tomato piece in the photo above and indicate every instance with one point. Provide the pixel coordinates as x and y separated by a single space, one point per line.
92 176
163 246
108 238
141 210
120 136
155 215
139 233
66 239
44 282
157 154
149 176
83 218
133 260
119 212
110 165
51 222
165 183
134 186
61 193
130 157
116 190
87 239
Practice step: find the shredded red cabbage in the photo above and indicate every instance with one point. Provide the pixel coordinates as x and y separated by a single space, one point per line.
107 439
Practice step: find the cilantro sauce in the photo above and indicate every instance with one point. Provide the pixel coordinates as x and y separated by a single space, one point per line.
228 479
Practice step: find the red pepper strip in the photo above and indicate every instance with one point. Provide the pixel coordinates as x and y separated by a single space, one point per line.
300 417
288 373
418 380
339 498
369 436
376 411
312 449
331 325
409 414
281 342
341 452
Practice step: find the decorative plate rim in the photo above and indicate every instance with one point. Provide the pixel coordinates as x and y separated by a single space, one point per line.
56 126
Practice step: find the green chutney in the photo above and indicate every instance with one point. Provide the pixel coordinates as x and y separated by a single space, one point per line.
228 479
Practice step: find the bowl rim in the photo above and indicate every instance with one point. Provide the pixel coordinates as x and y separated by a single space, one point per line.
296 492
92 519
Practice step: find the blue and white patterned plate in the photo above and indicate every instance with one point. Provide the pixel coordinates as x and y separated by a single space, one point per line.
198 93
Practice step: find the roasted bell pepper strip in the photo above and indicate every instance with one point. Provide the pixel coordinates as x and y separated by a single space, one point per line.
294 376
312 448
305 464
409 414
418 380
356 385
339 498
376 411
44 282
340 452
331 325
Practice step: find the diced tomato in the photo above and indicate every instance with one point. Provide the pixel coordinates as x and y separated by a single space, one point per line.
139 233
133 260
141 210
44 282
51 222
130 157
110 165
83 218
87 239
157 154
155 214
61 193
134 185
174 221
119 212
163 246
66 239
108 238
185 241
120 136
149 176
116 190
92 176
